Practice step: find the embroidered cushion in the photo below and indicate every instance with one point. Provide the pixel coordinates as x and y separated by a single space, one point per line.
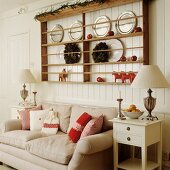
93 126
51 123
25 117
78 127
37 118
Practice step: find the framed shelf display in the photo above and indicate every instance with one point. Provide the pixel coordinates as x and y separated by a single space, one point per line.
95 44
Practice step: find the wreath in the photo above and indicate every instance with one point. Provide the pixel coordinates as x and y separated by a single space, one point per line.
72 53
99 53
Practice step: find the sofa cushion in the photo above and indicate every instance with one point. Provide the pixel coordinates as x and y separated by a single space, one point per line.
18 138
25 117
78 127
64 111
94 126
51 123
57 148
108 113
37 118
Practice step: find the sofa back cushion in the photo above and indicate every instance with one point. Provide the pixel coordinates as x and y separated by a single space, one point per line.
64 111
108 113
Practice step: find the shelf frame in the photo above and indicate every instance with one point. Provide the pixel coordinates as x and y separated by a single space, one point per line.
85 42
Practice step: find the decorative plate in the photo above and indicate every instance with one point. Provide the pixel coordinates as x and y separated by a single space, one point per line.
57 33
102 26
76 31
117 48
126 22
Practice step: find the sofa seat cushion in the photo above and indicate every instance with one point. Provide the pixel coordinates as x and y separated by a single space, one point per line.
57 148
18 138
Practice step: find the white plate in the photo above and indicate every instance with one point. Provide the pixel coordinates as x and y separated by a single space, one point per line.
102 26
57 33
117 50
76 31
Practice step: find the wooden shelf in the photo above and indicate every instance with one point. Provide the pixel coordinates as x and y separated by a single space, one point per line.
135 164
97 83
61 43
95 39
79 10
116 36
104 63
89 25
82 72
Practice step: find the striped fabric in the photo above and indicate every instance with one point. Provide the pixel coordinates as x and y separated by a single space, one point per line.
93 126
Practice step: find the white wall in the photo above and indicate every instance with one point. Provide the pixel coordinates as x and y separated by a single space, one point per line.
22 32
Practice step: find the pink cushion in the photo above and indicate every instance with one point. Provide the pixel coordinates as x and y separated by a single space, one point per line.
93 126
25 117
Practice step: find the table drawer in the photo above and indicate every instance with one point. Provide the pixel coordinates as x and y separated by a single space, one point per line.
130 129
135 140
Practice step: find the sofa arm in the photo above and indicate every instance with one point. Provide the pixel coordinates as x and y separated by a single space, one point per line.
95 143
91 151
9 125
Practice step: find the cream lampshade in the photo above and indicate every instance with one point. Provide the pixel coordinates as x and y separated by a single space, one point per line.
150 76
25 76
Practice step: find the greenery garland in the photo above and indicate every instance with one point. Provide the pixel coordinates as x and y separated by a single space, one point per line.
53 11
72 53
100 56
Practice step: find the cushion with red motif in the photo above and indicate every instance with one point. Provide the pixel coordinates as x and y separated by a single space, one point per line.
78 127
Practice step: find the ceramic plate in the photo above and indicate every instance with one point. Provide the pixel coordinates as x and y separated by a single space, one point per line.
57 33
102 26
117 50
126 22
76 31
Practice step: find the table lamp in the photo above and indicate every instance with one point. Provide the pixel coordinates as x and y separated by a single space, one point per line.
150 76
25 76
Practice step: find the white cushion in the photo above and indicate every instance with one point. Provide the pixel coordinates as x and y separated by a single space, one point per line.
37 118
51 123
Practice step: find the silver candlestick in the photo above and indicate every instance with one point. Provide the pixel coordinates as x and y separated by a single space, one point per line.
120 115
35 103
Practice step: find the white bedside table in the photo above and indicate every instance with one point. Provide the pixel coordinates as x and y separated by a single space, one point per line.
139 133
15 109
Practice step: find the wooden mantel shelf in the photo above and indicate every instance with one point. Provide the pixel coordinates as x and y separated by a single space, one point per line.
79 10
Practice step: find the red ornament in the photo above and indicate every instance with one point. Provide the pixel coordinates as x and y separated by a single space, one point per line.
89 36
123 58
134 58
137 29
99 79
110 33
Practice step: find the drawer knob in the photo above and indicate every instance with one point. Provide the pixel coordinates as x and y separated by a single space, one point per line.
128 138
128 128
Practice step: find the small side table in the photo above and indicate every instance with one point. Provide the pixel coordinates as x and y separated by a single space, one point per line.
139 133
15 109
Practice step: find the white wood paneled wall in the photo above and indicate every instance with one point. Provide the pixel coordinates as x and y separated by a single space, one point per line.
26 32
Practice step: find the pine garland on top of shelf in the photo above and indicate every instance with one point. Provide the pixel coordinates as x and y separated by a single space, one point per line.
53 11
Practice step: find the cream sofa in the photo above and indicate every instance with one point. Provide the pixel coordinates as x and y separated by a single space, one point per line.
25 150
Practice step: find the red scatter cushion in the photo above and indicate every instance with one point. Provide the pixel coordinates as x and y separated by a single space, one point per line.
78 127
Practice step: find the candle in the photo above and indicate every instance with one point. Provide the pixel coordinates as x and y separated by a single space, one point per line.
119 94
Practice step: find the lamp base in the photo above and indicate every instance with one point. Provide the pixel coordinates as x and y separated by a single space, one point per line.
150 117
149 103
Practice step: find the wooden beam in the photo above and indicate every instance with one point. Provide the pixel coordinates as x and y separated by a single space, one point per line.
79 10
145 32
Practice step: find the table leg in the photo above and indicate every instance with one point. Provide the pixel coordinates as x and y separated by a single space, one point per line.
144 157
115 151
